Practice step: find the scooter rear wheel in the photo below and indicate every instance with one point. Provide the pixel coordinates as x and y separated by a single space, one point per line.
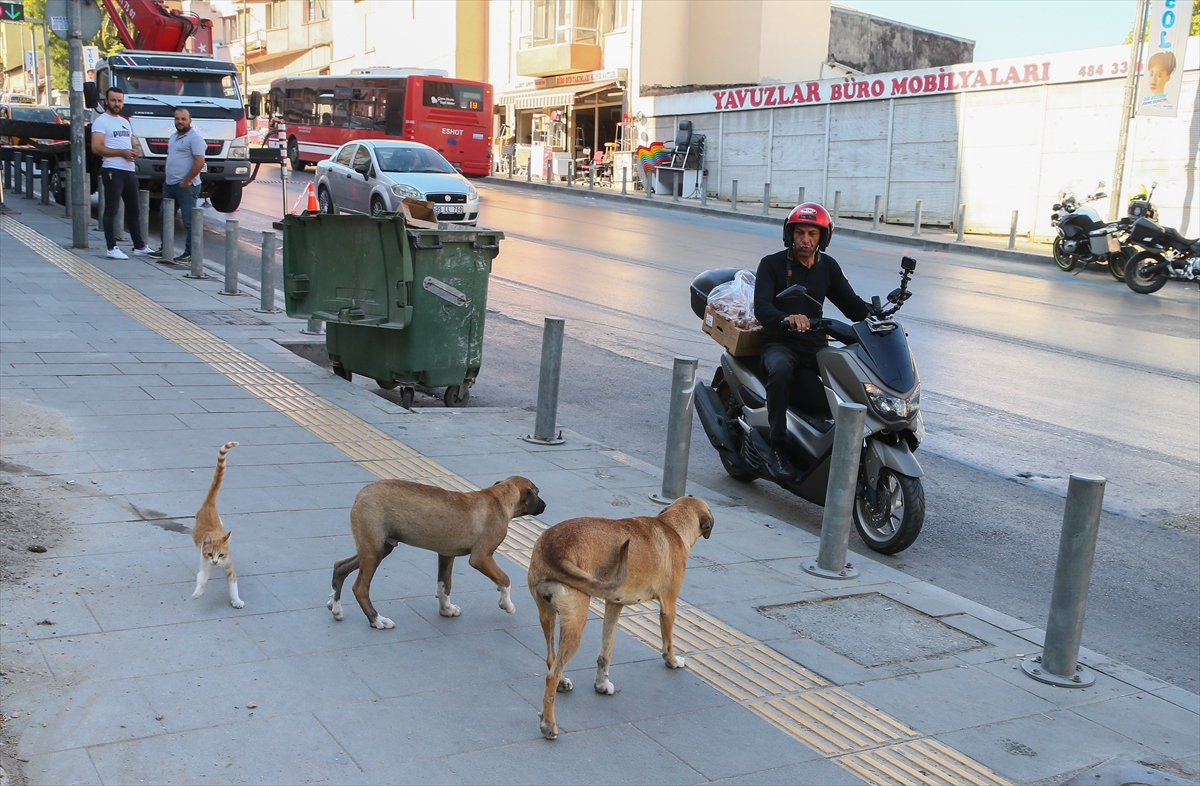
735 472
893 523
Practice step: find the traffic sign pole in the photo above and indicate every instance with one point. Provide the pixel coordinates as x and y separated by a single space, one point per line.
79 195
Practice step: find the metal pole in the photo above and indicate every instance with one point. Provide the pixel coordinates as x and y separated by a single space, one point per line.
1059 662
266 299
197 233
649 184
917 220
1127 108
801 202
144 215
839 495
679 431
314 327
29 176
283 178
592 176
837 205
704 188
8 176
958 221
547 405
167 226
79 179
733 196
875 212
511 163
529 168
100 198
45 169
570 172
1012 231
766 198
231 258
676 185
624 177
46 52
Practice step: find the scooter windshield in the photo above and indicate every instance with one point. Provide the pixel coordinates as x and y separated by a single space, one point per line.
887 354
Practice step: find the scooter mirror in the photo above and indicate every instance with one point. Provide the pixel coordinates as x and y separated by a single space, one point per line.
909 264
794 292
894 296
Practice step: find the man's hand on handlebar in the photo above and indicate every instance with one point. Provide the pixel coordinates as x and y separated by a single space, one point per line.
798 322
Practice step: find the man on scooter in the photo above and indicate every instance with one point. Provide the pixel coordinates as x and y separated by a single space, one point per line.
789 353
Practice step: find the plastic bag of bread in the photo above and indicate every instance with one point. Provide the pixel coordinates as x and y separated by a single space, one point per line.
734 300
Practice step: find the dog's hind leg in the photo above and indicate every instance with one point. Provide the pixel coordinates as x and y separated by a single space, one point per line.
485 563
612 613
341 569
548 617
445 579
572 617
666 619
368 562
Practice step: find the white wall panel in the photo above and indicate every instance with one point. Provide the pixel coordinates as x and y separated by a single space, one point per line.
858 157
798 154
924 160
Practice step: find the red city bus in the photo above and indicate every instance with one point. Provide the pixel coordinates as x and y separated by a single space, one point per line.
316 115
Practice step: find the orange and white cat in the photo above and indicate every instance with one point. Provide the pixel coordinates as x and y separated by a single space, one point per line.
212 539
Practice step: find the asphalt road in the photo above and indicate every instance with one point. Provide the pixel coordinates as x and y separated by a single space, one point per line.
1028 375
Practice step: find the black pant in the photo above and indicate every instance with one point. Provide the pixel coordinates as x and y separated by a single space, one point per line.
792 378
119 184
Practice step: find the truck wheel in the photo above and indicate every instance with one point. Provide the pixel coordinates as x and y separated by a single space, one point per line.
227 196
892 523
293 152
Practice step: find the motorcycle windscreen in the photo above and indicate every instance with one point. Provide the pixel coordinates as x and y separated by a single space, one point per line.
887 355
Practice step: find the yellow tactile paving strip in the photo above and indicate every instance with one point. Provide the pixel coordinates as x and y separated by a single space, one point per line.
858 736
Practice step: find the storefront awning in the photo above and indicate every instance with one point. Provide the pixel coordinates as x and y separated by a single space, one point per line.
538 99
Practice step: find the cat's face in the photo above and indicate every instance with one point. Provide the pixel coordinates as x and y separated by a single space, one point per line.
216 551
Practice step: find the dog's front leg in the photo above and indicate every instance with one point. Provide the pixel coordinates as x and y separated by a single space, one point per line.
666 619
445 580
612 614
485 563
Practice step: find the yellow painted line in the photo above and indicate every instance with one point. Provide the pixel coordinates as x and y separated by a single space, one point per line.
830 720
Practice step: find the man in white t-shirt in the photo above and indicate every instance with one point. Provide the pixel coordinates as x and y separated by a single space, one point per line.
112 139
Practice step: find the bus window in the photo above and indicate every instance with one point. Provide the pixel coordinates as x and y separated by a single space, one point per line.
323 116
448 95
394 120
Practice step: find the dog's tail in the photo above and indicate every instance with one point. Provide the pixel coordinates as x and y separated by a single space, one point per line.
594 586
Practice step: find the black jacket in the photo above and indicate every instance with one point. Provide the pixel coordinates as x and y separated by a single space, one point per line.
823 280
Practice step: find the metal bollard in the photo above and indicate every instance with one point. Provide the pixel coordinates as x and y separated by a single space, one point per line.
624 177
649 185
8 179
283 180
1012 231
704 188
197 270
958 222
29 162
875 214
801 202
144 215
676 185
511 162
839 496
547 405
766 198
917 220
592 176
167 225
837 205
679 431
314 327
1059 662
570 173
529 170
45 200
18 161
119 221
266 280
231 258
733 196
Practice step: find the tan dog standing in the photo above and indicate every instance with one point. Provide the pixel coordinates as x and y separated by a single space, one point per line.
452 523
624 561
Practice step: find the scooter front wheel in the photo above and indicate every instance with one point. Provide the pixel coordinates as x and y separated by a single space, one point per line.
892 523
1064 260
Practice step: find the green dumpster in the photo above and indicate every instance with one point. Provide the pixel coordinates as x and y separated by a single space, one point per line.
401 306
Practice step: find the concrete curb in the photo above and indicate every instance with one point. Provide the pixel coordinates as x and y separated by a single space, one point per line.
665 203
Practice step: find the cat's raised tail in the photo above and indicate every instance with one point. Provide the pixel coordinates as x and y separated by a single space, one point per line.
219 475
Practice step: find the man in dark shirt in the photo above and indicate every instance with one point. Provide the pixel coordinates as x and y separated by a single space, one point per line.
789 353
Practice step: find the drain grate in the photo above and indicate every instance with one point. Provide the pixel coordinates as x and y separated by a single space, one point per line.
872 630
228 316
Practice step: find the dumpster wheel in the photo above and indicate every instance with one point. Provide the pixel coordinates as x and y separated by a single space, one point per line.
457 395
406 396
387 385
341 371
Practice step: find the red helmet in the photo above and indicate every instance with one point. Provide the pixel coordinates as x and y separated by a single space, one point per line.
812 214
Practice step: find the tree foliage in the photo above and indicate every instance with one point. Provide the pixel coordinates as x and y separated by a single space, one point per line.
1194 31
107 40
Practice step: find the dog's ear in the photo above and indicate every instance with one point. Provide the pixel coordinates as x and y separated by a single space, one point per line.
706 519
533 503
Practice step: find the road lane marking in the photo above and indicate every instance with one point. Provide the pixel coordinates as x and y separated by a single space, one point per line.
840 726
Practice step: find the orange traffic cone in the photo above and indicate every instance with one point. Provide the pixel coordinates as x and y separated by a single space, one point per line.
313 207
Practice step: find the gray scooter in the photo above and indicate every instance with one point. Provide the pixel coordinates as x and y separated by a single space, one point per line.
873 367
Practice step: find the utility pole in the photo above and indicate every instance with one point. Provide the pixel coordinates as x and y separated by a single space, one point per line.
78 195
1131 78
46 55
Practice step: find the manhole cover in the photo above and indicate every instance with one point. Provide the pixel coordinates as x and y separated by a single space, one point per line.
872 630
227 316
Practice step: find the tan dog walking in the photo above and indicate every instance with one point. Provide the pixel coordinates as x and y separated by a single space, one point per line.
623 561
452 523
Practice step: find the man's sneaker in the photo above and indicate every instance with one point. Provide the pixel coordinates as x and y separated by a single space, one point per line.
116 253
778 463
144 251
184 258
158 252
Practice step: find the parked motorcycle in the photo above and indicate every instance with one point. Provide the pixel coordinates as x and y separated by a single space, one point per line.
873 367
1083 239
1166 255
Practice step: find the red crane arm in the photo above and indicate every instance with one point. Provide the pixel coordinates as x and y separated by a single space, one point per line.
156 28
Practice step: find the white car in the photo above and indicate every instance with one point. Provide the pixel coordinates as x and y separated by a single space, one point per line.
373 176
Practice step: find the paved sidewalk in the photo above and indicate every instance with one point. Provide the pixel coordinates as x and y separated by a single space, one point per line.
930 239
111 674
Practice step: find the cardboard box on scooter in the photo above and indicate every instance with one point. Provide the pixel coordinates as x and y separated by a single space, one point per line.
740 343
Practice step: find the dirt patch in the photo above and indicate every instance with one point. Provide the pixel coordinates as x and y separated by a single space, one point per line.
21 423
1188 522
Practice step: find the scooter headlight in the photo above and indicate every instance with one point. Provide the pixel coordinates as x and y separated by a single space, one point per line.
893 407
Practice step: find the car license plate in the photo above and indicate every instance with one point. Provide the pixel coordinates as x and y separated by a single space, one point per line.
448 210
